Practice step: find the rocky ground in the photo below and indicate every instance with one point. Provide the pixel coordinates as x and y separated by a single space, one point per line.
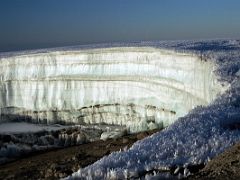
225 166
55 164
60 163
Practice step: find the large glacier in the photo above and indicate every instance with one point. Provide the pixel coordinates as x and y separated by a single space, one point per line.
137 87
192 87
191 140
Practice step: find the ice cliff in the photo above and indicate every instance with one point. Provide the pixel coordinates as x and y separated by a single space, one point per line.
191 140
193 87
137 87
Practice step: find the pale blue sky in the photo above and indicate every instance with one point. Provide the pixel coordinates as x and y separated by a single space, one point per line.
27 24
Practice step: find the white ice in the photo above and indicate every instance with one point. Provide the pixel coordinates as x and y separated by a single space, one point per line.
193 87
137 87
193 139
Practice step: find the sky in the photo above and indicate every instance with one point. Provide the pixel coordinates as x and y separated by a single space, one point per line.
30 24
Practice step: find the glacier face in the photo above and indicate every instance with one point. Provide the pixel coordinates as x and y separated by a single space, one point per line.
194 139
137 87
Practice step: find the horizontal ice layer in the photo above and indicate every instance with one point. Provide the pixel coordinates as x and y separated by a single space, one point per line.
141 88
22 127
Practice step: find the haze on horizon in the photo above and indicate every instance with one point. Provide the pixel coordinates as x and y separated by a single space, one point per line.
30 24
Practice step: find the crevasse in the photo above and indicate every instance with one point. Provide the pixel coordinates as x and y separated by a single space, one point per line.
137 87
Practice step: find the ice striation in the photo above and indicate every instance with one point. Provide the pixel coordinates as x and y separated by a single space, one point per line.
137 87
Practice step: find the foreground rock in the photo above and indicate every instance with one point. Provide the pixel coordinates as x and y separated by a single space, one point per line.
60 163
63 162
224 166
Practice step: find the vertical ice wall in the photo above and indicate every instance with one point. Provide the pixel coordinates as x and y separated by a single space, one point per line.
142 88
